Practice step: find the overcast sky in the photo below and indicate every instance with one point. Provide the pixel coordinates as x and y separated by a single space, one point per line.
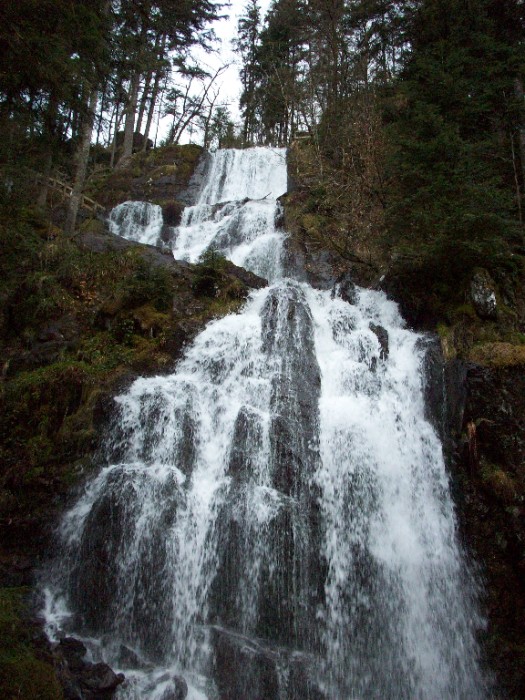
226 30
229 81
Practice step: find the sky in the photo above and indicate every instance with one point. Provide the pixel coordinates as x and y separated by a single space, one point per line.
229 81
226 30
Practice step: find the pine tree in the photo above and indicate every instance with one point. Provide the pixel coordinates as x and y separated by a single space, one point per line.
454 165
247 44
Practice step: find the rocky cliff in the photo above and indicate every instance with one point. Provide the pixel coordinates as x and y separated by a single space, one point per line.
81 318
477 318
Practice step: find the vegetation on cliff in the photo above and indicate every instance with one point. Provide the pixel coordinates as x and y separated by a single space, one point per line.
406 122
411 154
81 317
406 126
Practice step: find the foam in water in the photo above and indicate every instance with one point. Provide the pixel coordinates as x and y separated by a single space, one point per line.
273 520
236 210
137 221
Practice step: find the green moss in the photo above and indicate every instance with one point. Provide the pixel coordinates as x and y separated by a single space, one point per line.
23 676
93 226
498 354
164 171
462 312
446 335
499 483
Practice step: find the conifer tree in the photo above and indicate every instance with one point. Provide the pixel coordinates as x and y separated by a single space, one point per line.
247 44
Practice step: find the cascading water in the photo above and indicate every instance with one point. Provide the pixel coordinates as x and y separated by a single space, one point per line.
137 221
273 521
236 210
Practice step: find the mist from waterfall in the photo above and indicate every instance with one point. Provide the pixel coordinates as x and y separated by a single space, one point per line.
273 520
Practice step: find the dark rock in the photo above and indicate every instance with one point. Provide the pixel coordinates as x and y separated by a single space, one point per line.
248 278
177 691
248 667
382 335
279 214
489 491
445 393
483 295
305 263
190 194
345 289
129 659
107 242
247 438
171 216
73 652
244 669
166 236
99 680
80 679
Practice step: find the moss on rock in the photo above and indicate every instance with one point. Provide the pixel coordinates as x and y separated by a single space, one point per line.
22 673
498 354
156 176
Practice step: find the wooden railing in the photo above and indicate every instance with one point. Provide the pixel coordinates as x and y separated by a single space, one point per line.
66 191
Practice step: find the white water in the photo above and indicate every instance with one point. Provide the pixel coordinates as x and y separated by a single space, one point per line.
137 221
274 520
236 211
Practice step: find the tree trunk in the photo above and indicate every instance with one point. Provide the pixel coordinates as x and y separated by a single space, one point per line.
44 188
518 91
82 158
154 93
101 113
151 110
143 100
129 127
51 130
115 136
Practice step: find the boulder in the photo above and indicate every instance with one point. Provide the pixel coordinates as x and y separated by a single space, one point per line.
382 335
98 681
177 690
82 680
345 289
483 295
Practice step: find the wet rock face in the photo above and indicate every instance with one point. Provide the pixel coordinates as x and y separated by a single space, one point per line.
261 678
245 445
345 289
111 594
288 340
305 263
82 680
382 336
445 392
483 295
177 690
486 413
270 580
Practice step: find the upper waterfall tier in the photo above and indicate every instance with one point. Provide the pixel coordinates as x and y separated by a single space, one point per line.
251 173
236 211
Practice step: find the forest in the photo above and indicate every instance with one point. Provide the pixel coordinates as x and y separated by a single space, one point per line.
413 111
404 128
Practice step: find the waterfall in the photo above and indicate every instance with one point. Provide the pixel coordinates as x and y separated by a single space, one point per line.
273 520
137 221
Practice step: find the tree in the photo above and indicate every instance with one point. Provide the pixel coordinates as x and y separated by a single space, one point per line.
247 43
453 162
